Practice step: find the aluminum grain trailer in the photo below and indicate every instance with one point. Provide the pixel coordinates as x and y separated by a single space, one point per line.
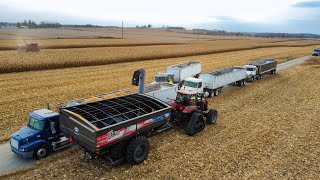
184 70
211 83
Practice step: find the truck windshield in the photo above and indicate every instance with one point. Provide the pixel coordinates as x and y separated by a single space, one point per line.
190 84
160 79
250 69
36 124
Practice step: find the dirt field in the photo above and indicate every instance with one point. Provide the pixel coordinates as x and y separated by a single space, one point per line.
269 129
27 91
131 51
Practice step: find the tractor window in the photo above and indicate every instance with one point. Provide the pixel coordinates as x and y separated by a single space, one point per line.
186 99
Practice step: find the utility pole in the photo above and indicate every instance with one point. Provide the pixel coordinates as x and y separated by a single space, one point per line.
122 30
198 34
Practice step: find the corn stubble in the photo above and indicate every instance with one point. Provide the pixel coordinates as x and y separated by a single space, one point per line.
25 92
269 129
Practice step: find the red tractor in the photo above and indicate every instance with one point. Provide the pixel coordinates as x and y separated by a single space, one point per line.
190 109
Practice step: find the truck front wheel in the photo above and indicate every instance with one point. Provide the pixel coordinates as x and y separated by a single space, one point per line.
41 152
138 150
195 124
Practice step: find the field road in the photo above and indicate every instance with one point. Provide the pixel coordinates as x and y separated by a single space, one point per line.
11 162
291 63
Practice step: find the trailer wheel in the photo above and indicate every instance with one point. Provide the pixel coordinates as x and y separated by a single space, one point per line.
41 152
244 82
212 116
207 93
138 150
195 124
216 92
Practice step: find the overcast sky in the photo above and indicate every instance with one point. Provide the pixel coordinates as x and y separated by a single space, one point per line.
231 15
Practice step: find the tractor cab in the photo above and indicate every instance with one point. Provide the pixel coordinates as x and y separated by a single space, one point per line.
189 101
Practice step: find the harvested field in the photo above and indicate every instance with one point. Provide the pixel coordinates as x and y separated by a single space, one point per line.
276 139
13 61
27 91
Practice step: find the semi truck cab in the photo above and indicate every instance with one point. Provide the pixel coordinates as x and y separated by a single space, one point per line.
193 85
40 136
251 72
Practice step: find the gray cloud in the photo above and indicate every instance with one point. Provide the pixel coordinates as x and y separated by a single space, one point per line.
308 4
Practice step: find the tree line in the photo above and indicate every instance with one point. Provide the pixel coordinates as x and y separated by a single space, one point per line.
31 24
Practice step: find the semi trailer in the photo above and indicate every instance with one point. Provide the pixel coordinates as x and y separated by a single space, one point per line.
179 72
211 83
255 70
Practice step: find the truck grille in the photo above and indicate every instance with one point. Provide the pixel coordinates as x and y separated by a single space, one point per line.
14 143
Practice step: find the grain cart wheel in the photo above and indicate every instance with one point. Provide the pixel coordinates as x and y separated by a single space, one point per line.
212 116
138 150
41 152
195 124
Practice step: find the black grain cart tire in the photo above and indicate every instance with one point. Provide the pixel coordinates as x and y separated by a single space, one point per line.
212 116
138 150
195 124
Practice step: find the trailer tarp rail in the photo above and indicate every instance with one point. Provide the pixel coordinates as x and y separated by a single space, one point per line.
224 71
112 111
262 61
184 64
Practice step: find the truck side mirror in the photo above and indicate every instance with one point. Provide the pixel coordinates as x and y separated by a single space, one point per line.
53 130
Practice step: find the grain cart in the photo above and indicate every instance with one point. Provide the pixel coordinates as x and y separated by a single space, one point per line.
255 70
211 83
116 128
179 72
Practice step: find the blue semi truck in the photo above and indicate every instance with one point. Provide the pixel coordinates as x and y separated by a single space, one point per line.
40 137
